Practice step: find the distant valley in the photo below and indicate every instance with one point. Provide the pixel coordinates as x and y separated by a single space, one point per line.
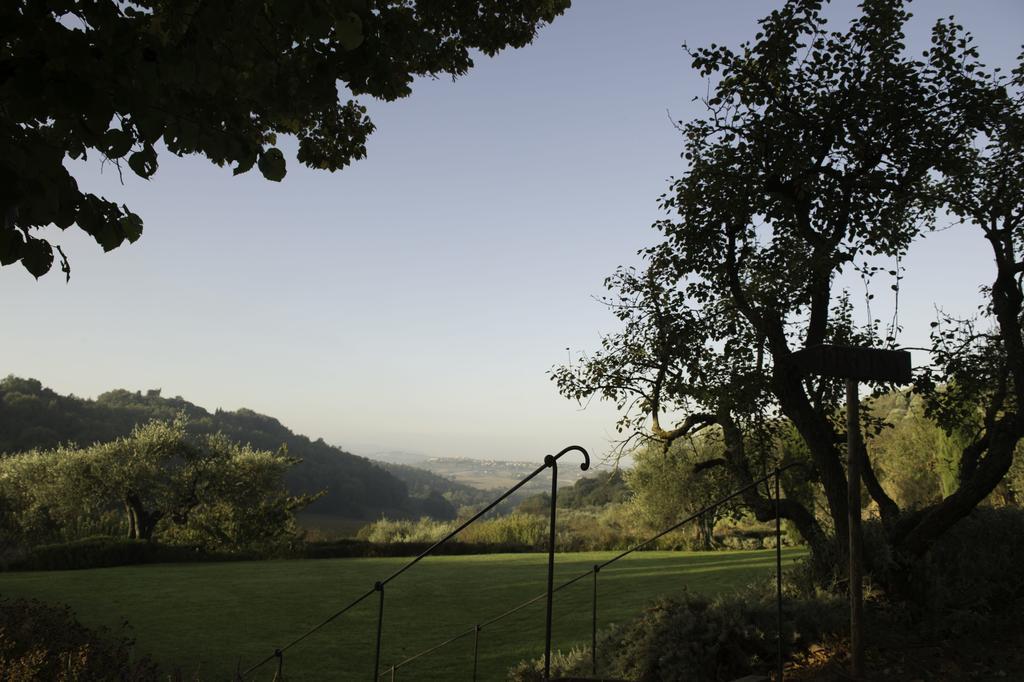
489 474
357 489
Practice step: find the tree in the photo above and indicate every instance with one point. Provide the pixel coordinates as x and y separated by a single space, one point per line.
205 491
227 495
821 152
50 496
600 489
668 485
246 505
122 80
912 456
155 473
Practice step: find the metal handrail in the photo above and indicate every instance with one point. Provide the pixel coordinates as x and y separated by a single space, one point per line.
550 462
597 568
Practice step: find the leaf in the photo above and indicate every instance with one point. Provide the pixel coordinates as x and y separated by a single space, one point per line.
109 236
143 162
131 226
65 216
117 143
245 164
11 243
37 257
150 127
349 31
272 164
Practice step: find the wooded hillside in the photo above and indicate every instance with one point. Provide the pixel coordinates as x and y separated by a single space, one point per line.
35 417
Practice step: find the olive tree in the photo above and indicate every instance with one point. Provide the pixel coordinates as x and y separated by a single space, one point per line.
163 483
672 483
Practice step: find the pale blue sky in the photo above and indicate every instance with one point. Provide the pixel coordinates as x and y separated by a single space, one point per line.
417 300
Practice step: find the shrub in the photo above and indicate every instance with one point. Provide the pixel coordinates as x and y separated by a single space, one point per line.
578 530
102 551
693 637
361 548
388 531
975 566
42 643
576 662
514 529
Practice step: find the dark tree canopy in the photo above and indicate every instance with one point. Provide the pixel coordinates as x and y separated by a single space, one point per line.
122 80
823 152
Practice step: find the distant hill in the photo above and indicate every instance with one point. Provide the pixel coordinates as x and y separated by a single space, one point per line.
490 474
33 416
601 489
475 482
421 483
398 457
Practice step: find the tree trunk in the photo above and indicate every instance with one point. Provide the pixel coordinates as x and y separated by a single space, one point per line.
132 526
916 537
823 552
820 438
143 522
706 531
985 462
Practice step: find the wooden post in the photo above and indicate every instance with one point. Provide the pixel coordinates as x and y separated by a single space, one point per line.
853 468
855 364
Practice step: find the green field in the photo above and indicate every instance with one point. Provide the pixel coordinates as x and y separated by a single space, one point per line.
206 618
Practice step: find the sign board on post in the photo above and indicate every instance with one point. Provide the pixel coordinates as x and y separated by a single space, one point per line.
854 364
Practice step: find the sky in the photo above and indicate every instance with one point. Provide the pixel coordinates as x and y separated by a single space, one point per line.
418 300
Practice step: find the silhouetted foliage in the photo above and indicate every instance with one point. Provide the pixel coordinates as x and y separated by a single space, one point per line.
974 568
824 152
123 79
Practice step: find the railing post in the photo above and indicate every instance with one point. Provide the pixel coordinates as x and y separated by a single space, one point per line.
476 649
279 675
593 627
392 673
379 587
778 569
553 463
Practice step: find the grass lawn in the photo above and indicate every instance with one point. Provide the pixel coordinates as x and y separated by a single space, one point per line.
205 618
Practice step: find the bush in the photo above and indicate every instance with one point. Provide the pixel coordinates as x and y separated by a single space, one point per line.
388 531
361 548
975 566
693 637
514 529
578 530
576 662
42 643
102 551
